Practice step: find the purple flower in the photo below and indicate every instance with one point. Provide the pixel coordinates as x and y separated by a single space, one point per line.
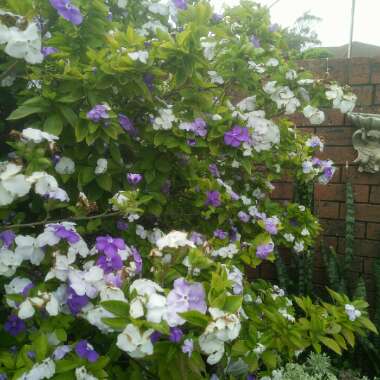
155 337
7 237
60 352
98 112
3 376
122 225
27 289
148 80
191 142
31 355
220 234
196 238
328 171
213 198
271 225
85 351
273 28
127 125
55 159
243 216
110 263
214 170
68 11
180 4
47 50
114 279
14 325
166 187
199 127
185 297
137 259
176 334
236 136
264 250
134 178
217 17
75 302
255 41
66 234
234 233
109 245
188 347
251 377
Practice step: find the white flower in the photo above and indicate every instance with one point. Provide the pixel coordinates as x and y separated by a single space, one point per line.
24 44
61 268
344 102
174 239
289 237
65 166
259 68
259 349
352 312
226 326
208 49
37 136
122 3
272 62
216 117
160 9
9 262
212 346
165 119
314 115
81 372
299 246
141 232
43 183
26 310
87 282
144 287
136 308
27 248
226 252
247 104
156 308
8 81
140 55
236 276
40 371
94 317
16 286
306 81
52 306
135 343
305 232
291 74
286 315
101 166
215 77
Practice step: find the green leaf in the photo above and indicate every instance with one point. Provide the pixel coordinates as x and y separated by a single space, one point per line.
70 116
40 345
104 181
269 359
232 303
195 318
369 325
118 308
53 124
115 323
330 343
24 111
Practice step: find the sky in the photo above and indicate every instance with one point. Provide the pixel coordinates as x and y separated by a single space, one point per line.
334 28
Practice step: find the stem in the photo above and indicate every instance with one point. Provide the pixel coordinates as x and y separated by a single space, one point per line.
74 218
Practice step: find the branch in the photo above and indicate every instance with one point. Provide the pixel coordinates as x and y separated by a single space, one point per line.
73 219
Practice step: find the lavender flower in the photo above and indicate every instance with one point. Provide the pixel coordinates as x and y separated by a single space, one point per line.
85 351
110 263
134 178
137 259
271 225
114 279
188 347
31 355
220 234
199 127
109 245
3 376
122 225
196 238
66 234
217 17
155 337
27 289
176 334
191 142
14 325
213 198
47 50
98 113
127 125
7 237
243 216
61 351
255 41
273 28
236 136
68 11
180 4
264 250
75 302
214 170
148 80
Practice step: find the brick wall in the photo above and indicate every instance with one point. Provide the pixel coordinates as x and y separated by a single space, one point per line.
364 76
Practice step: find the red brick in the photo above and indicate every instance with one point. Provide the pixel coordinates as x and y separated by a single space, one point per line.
377 94
359 72
375 73
340 155
375 194
364 94
337 175
306 130
326 209
356 177
357 263
365 212
338 70
373 231
282 190
316 66
337 192
338 228
333 118
363 248
320 277
335 135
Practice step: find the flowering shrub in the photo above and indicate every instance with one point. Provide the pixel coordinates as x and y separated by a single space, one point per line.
135 188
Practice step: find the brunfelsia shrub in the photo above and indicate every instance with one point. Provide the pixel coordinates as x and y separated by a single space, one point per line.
139 146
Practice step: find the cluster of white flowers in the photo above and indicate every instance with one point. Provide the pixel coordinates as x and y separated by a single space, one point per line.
352 312
215 77
37 136
22 43
141 56
226 252
40 371
314 115
344 102
165 119
283 96
135 343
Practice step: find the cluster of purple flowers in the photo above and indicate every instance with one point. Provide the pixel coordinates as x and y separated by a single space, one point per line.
180 4
110 261
214 170
264 250
213 198
98 113
68 11
325 167
76 302
46 51
66 234
7 237
127 125
85 351
236 136
220 234
14 325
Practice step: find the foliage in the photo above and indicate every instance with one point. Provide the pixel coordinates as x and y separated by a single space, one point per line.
136 122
